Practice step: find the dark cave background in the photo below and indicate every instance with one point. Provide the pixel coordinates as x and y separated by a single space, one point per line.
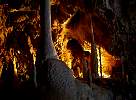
114 28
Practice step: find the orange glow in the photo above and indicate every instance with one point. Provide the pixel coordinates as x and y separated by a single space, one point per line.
15 66
1 66
107 60
15 55
61 46
53 2
32 50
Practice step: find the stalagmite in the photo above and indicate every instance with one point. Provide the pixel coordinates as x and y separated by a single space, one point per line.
47 47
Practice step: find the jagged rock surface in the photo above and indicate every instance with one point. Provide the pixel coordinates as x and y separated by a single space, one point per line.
58 83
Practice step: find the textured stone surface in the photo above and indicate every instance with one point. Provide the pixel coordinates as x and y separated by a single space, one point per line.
59 81
59 84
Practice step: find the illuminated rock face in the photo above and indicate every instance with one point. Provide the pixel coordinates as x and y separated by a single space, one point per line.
58 83
78 31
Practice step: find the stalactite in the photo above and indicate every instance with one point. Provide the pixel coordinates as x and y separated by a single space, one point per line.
93 50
